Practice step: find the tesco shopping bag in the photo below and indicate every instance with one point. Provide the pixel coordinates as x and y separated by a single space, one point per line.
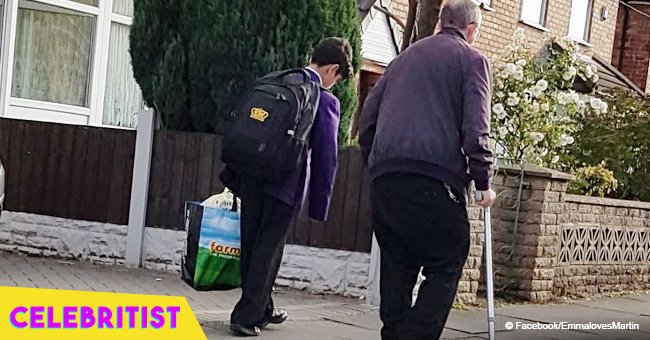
211 255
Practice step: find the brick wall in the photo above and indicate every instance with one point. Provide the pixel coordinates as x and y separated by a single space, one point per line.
525 232
469 280
631 53
499 24
566 245
604 247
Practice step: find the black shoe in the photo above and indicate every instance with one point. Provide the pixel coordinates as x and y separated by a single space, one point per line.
245 331
279 316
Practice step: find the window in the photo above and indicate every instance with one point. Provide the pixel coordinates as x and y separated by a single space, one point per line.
122 97
48 69
580 19
533 12
123 7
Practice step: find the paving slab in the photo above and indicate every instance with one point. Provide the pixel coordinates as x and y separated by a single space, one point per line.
321 317
573 313
475 321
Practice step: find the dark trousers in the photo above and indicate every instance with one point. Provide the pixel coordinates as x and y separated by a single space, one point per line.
418 225
265 223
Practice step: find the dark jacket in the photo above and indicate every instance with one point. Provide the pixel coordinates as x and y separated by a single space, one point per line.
318 173
429 114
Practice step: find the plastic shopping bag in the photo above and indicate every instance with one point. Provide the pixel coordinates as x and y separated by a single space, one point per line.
211 255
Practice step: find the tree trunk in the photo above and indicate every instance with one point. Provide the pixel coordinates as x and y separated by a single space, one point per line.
407 36
427 18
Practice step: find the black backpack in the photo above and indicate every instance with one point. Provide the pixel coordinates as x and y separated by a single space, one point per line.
267 135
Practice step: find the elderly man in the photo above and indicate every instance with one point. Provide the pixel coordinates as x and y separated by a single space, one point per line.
424 133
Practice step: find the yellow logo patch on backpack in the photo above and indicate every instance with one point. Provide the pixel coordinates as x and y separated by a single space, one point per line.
259 114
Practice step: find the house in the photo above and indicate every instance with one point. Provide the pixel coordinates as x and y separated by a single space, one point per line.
591 23
631 53
67 61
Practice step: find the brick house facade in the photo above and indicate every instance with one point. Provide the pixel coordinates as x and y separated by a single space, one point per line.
631 53
502 17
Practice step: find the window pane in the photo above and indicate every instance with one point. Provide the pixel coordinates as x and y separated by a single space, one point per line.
532 11
87 2
123 97
53 54
579 19
124 7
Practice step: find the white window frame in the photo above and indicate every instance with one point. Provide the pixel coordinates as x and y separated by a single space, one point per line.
56 112
543 16
588 18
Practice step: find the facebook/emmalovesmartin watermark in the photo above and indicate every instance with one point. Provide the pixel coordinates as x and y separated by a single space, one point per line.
564 325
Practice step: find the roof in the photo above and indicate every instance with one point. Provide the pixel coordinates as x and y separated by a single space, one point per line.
609 77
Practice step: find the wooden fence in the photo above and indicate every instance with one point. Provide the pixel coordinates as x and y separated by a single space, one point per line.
67 171
85 173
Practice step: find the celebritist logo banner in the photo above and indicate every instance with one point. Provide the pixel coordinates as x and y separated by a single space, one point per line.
29 313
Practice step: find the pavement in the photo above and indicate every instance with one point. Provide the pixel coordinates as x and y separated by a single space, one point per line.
319 317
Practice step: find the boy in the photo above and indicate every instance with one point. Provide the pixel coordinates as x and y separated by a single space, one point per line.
267 210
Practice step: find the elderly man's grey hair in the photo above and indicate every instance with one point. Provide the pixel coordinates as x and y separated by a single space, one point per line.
460 14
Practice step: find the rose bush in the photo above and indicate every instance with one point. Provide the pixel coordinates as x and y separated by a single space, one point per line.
535 111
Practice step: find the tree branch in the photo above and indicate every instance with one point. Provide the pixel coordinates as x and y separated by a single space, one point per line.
390 15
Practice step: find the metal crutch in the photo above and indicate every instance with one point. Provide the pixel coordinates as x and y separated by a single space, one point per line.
489 284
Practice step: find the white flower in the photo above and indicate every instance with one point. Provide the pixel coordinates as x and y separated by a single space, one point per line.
595 78
519 75
536 91
511 68
501 94
503 132
573 70
544 152
603 107
555 159
563 98
598 105
588 72
521 62
498 108
513 94
542 85
513 101
574 96
545 107
567 76
536 137
566 140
